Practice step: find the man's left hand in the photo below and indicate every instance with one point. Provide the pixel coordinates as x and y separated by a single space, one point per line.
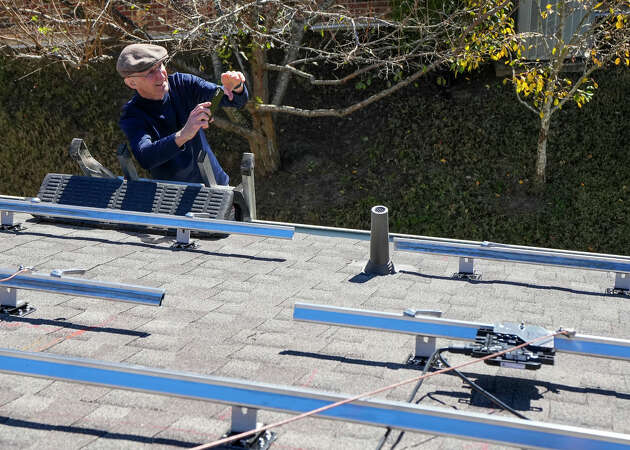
232 80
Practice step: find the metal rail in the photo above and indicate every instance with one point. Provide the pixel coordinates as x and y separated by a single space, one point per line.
508 253
59 284
397 415
318 230
34 207
580 344
364 235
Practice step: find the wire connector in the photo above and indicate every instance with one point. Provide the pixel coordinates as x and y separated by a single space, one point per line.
461 349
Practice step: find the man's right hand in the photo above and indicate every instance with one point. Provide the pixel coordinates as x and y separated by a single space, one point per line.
200 117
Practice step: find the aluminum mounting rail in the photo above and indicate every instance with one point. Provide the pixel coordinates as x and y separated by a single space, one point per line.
318 230
58 283
38 208
404 416
467 252
436 327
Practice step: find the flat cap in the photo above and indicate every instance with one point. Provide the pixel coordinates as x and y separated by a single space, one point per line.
139 57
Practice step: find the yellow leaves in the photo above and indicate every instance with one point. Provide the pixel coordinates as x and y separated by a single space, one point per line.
598 5
542 115
619 24
443 161
548 7
520 181
596 61
553 52
617 61
555 102
521 86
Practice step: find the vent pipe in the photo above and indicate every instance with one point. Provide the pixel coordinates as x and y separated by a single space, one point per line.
379 263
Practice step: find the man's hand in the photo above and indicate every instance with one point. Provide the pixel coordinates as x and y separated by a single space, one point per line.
200 117
230 80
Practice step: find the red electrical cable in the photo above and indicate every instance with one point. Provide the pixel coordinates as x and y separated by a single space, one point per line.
369 394
26 269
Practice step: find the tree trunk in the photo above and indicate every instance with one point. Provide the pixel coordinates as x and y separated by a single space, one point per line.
541 154
263 143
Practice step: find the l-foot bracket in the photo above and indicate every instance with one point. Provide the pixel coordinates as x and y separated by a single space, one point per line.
622 285
182 241
425 345
10 305
7 222
466 270
244 419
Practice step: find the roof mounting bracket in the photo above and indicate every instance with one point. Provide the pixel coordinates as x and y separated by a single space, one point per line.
10 305
244 419
7 222
182 240
466 270
425 345
622 284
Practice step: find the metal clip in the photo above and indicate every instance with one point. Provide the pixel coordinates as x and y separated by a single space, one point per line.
63 272
422 312
193 215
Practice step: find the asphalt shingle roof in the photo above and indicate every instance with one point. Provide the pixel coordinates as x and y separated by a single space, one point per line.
227 312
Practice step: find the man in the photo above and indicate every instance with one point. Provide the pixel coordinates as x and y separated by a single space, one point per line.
164 118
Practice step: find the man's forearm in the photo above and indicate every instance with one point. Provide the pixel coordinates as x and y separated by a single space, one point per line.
180 138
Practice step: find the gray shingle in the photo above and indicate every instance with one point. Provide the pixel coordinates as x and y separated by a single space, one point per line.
228 312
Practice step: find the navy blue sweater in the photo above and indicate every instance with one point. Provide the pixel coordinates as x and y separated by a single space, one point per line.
150 126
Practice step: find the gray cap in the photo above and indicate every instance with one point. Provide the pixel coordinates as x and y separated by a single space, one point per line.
139 57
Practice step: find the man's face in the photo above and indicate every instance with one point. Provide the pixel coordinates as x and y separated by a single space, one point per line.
151 84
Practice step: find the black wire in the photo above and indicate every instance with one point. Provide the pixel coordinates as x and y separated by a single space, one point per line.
478 388
427 366
438 352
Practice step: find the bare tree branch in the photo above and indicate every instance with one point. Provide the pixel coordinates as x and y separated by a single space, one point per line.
349 109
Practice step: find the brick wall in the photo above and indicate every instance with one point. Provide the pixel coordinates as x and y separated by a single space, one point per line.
153 15
362 7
